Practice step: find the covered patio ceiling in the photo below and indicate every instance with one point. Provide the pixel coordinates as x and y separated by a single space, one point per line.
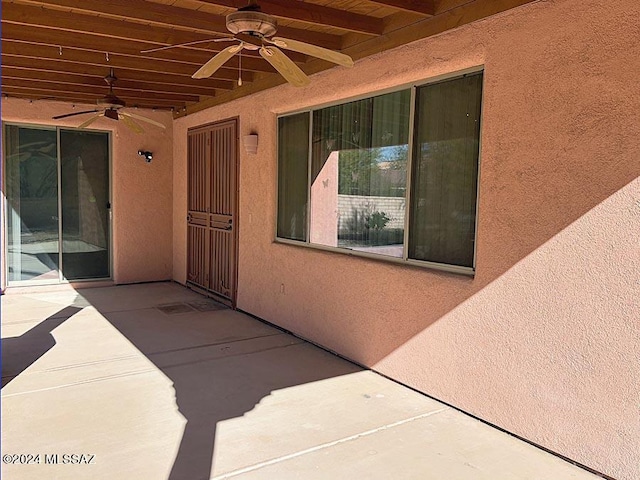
62 49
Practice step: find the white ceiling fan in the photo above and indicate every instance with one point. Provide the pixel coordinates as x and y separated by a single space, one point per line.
250 20
111 107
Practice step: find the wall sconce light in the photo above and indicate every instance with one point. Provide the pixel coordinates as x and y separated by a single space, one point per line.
250 143
148 156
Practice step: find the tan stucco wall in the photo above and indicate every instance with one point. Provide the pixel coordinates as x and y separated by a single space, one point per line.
545 340
141 192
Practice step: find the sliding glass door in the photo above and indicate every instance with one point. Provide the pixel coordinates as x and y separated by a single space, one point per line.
31 159
84 188
57 191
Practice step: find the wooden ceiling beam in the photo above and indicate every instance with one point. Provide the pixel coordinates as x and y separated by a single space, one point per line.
90 98
116 30
173 17
442 6
42 94
156 36
16 73
469 11
97 43
42 65
98 34
424 7
36 52
99 91
313 13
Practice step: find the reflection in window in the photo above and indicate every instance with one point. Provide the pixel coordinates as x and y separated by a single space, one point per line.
32 200
359 165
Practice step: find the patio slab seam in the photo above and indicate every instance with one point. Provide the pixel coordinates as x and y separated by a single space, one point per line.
326 445
240 354
214 344
152 369
38 319
83 382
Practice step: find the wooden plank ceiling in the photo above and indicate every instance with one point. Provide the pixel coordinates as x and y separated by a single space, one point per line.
63 49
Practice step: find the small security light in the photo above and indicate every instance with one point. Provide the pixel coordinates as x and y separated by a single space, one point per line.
148 156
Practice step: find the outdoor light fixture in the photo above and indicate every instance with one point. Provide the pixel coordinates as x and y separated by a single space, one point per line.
148 156
250 143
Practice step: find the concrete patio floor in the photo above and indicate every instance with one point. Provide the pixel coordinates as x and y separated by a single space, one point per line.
155 381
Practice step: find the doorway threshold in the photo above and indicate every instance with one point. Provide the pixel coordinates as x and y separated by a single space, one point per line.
57 287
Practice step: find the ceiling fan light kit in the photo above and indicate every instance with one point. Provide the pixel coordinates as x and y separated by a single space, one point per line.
111 113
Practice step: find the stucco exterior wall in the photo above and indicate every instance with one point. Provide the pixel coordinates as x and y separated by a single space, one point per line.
141 192
544 341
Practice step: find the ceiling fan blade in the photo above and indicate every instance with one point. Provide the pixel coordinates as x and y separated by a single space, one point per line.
129 122
217 61
285 66
187 44
91 120
143 119
313 50
74 114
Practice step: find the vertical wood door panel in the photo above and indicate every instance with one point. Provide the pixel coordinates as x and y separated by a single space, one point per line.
198 160
221 272
197 210
223 156
198 254
212 209
222 201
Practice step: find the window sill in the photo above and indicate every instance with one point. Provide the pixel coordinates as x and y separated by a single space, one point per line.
466 271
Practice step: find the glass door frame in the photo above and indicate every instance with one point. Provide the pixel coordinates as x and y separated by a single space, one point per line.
5 207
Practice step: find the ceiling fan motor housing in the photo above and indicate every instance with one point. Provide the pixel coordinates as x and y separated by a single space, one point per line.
111 101
252 22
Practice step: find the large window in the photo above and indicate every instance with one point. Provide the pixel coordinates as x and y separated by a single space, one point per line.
370 178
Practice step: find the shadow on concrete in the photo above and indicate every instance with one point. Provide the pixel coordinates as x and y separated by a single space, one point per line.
19 353
222 364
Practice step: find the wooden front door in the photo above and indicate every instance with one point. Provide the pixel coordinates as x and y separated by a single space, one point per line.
212 209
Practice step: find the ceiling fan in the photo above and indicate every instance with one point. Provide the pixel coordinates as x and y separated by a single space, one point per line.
250 20
110 107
